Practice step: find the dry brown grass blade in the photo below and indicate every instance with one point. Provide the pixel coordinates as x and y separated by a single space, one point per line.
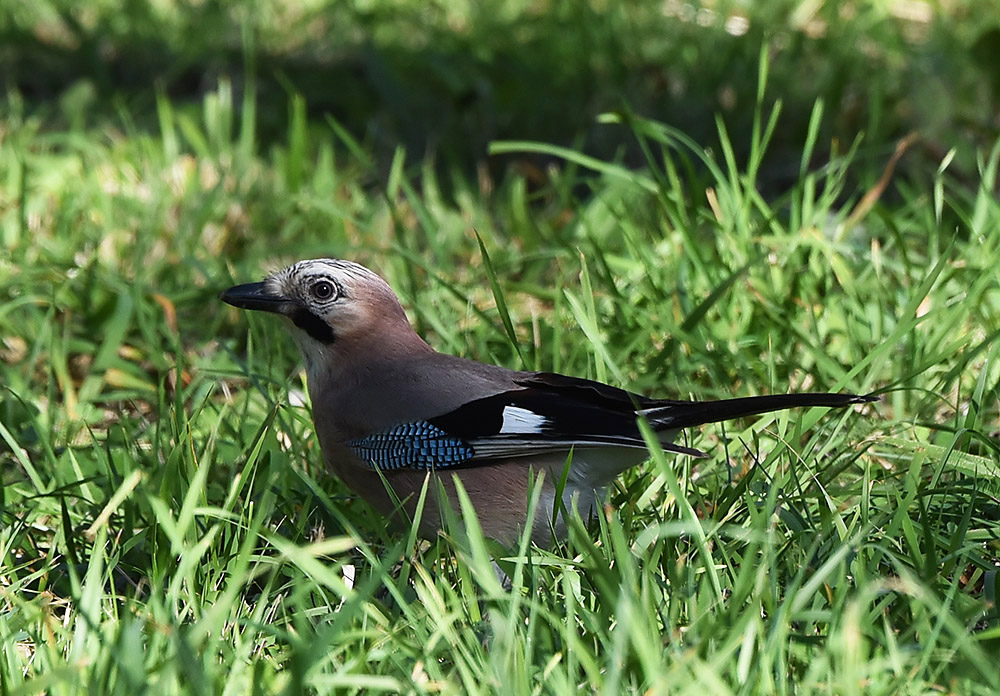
868 201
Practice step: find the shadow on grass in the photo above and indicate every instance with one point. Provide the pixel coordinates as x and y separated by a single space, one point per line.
446 83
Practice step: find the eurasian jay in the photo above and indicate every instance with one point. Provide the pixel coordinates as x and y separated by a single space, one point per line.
387 405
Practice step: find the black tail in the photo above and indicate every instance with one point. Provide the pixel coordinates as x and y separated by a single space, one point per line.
684 414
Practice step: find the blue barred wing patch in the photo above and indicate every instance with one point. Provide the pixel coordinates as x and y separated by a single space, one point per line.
418 445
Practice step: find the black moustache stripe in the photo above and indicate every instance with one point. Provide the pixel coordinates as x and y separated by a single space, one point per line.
312 325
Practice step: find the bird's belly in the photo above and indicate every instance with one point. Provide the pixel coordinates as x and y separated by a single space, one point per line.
499 491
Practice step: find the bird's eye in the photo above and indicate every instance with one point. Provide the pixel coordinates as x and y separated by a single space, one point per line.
323 290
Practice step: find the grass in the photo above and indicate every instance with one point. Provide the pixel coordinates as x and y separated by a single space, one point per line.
444 79
167 526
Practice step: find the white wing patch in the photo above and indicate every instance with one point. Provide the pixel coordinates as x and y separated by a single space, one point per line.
521 421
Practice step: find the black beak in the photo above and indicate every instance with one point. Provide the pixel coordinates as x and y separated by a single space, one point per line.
254 296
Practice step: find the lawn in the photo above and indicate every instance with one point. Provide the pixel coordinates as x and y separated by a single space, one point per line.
687 201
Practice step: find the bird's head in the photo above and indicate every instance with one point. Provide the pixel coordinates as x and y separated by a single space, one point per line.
334 305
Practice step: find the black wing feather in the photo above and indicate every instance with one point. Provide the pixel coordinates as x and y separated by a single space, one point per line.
553 413
587 414
674 414
561 416
587 391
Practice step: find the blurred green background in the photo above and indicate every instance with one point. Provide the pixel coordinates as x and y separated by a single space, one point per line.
444 79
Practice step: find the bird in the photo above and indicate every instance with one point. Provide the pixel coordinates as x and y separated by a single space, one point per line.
392 414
